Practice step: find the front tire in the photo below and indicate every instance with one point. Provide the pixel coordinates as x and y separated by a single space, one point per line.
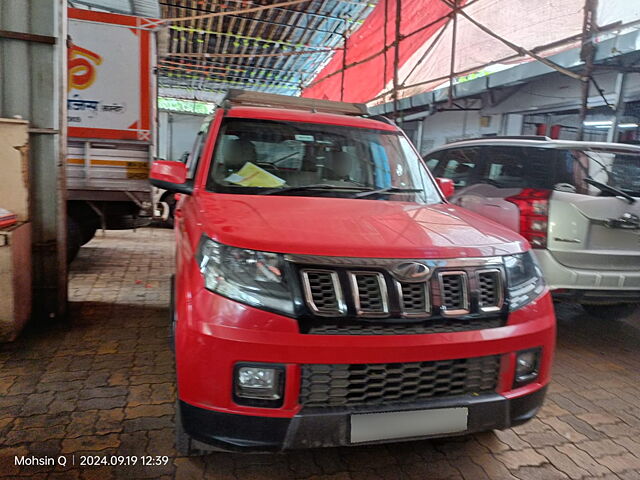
617 311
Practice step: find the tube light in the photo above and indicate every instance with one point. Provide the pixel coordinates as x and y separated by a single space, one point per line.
627 125
597 123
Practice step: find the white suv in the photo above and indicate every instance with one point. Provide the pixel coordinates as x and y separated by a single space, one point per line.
576 203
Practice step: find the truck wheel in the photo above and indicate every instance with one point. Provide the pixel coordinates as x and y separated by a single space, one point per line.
127 222
88 232
170 200
74 238
610 312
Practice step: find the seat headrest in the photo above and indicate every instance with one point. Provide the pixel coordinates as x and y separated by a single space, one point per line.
341 163
238 152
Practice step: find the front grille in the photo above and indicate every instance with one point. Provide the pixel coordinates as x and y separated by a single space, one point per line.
392 383
338 295
435 325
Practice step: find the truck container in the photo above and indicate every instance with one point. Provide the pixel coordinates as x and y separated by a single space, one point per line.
111 117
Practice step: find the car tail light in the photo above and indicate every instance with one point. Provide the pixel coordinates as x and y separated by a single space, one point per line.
534 215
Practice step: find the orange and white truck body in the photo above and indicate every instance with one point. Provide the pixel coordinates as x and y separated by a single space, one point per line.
110 115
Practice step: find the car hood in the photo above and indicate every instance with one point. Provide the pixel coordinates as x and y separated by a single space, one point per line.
352 227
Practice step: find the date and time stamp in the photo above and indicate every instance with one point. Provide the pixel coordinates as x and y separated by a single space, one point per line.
91 460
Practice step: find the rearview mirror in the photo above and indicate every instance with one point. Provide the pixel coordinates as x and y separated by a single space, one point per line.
171 176
446 186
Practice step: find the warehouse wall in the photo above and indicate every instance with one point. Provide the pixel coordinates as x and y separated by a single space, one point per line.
176 133
502 112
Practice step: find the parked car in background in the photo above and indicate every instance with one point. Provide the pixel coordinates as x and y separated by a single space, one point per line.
327 294
576 203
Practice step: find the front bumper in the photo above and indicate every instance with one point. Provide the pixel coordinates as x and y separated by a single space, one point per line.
313 428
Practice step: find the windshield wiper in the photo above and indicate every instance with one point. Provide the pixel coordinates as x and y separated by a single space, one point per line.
301 188
607 188
387 190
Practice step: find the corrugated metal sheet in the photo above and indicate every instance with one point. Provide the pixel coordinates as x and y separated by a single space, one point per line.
315 27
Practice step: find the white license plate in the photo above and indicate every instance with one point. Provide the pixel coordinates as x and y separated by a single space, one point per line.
368 427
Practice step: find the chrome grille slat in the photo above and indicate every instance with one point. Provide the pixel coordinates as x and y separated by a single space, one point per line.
347 385
454 292
490 290
323 292
370 295
414 298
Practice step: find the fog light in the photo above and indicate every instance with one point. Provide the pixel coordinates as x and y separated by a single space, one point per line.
258 384
527 365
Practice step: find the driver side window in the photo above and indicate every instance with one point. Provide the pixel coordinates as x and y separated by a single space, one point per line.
459 165
194 156
196 152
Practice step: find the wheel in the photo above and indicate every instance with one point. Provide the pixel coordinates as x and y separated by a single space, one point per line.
74 238
88 231
127 222
170 200
617 311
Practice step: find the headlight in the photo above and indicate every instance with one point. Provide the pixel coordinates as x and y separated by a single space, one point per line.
524 279
248 276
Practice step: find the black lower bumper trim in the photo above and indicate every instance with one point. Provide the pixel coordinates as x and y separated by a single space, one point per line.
331 427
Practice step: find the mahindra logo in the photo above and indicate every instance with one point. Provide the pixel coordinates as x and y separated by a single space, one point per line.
411 271
626 220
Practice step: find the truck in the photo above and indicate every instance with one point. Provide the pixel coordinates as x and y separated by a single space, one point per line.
111 117
327 294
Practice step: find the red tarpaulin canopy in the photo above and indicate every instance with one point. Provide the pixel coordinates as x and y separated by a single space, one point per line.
363 82
489 36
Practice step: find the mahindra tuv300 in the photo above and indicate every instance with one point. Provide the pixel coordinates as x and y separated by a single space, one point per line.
327 294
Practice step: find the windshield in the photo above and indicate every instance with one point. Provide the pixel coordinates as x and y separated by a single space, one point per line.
543 168
619 170
266 157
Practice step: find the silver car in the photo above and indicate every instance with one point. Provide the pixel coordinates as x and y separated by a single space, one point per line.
576 202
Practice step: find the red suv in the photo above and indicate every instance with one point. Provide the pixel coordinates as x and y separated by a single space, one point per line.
327 294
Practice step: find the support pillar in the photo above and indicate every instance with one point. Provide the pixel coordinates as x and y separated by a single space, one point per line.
33 87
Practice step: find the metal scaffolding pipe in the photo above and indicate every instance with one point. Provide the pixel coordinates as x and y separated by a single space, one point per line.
33 86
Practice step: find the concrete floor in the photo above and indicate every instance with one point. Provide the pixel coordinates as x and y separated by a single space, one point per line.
102 384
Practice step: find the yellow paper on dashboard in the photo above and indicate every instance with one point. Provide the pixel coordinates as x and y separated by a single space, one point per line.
251 175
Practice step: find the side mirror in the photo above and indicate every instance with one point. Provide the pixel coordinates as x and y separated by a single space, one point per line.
171 176
446 186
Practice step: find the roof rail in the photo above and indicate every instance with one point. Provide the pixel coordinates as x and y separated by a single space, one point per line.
541 138
237 97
